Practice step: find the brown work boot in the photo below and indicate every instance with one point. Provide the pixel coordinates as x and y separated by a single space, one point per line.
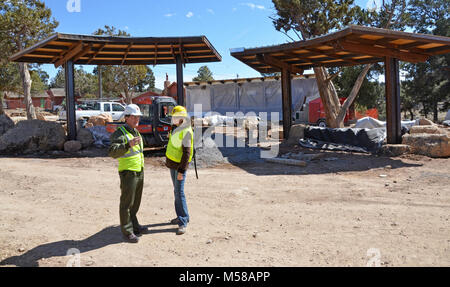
181 230
132 238
175 221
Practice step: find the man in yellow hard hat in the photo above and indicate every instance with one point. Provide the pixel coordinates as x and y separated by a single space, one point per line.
128 147
178 156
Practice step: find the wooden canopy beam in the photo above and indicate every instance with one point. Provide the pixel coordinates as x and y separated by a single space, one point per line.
126 53
265 58
96 53
71 53
83 52
382 52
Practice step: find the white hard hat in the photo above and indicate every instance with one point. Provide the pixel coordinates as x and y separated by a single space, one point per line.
132 110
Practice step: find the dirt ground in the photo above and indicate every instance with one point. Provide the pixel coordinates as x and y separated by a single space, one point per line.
348 211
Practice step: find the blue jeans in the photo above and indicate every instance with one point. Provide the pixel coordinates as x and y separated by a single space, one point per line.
180 199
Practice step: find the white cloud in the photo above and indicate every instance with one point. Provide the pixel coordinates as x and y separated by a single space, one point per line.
211 11
126 28
253 6
169 15
189 14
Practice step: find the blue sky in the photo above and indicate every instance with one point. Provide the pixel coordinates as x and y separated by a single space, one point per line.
227 24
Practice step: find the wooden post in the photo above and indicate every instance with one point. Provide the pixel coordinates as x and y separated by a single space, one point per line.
70 100
287 101
180 90
393 115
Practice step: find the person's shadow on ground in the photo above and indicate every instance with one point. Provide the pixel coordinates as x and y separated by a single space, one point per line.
108 236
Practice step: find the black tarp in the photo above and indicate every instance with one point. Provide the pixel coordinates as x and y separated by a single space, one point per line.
347 139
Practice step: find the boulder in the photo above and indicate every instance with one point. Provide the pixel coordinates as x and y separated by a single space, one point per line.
394 149
72 146
432 145
85 137
40 116
296 133
100 120
6 123
32 136
425 122
426 129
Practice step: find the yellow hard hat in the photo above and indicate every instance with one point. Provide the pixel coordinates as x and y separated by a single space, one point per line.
179 111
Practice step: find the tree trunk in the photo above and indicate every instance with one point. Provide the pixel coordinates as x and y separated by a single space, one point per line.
411 114
128 98
26 83
355 90
435 112
328 95
1 104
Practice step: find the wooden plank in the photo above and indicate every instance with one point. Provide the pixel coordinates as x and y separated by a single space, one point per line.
96 53
126 53
382 52
75 50
279 64
85 51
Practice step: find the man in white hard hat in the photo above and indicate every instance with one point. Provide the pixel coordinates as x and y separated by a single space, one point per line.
128 147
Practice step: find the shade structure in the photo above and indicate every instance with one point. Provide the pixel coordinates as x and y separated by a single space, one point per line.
354 45
106 50
71 49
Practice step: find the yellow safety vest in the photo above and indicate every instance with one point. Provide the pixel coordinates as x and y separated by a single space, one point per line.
174 150
134 158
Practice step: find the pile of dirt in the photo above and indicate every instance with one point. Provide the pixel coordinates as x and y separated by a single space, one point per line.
210 153
5 124
33 136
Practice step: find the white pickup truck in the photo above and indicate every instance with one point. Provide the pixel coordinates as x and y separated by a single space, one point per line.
85 111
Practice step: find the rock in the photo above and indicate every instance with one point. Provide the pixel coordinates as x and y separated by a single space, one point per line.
432 145
21 249
394 149
32 136
425 122
6 123
296 133
100 120
209 241
426 129
72 146
383 175
85 137
40 117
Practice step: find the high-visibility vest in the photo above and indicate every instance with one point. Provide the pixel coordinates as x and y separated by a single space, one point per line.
134 158
174 149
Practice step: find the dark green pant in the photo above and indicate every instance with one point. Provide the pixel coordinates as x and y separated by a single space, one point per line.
131 185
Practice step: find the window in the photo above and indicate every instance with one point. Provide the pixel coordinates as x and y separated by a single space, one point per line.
166 110
117 108
107 107
147 112
96 107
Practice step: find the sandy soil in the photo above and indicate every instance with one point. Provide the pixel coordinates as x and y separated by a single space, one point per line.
330 213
